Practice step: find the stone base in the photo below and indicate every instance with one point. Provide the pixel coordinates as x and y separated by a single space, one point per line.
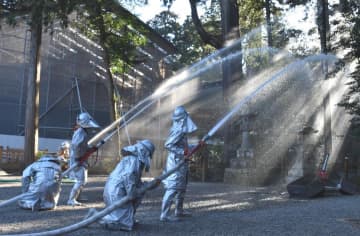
2 172
245 177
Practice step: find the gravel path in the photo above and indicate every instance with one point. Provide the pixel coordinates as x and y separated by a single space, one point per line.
218 209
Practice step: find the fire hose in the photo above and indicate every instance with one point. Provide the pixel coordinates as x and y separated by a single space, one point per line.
155 182
148 186
88 153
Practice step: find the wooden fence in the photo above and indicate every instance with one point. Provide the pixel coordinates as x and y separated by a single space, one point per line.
8 154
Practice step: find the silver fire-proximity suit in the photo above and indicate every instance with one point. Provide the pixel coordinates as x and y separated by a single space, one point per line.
41 183
177 146
64 154
124 180
78 148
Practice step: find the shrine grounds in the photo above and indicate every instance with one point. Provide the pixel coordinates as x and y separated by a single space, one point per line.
217 208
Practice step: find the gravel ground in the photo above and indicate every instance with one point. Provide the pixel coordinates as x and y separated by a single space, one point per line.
218 209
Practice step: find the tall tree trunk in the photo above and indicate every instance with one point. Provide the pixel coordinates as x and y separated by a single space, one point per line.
324 33
323 24
327 125
268 22
110 84
231 70
323 28
32 99
230 20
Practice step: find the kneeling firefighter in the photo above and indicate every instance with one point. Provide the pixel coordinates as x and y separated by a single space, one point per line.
41 183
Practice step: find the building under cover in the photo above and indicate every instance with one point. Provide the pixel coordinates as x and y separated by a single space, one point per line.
73 79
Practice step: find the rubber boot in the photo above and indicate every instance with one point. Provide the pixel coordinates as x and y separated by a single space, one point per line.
73 196
179 209
166 206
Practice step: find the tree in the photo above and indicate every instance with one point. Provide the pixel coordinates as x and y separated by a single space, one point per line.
268 22
106 22
322 20
350 10
189 45
38 14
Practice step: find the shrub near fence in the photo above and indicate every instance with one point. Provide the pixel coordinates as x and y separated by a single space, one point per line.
11 159
11 154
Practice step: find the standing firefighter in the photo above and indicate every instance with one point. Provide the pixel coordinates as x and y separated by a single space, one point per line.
177 146
41 183
125 180
78 148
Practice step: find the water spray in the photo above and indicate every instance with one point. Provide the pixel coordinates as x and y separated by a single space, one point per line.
167 88
156 181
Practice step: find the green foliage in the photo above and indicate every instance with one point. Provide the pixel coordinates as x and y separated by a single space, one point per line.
118 34
251 14
355 38
189 44
45 12
351 101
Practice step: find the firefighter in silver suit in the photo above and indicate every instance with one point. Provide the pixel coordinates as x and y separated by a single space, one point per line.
78 148
178 147
41 183
64 154
124 180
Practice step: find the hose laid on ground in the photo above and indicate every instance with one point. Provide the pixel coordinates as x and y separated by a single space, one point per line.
12 200
148 186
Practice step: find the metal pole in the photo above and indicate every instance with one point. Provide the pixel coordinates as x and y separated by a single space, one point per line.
23 79
78 93
346 167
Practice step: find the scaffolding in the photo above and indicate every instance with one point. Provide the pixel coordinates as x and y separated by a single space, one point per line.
66 55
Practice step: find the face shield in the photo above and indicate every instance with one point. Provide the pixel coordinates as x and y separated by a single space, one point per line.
189 126
183 121
86 121
143 154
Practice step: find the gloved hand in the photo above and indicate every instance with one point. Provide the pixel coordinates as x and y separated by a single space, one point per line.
202 143
186 151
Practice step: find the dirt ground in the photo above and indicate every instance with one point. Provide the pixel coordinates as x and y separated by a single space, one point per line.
217 208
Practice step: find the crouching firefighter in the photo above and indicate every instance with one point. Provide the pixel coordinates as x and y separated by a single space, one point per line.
125 180
63 155
178 147
41 183
78 149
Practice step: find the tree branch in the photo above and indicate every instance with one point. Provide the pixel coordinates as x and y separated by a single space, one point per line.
205 36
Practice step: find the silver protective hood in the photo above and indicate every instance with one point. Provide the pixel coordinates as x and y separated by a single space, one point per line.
182 120
186 125
141 152
86 121
189 125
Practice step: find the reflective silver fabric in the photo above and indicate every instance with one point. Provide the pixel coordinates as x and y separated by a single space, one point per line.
78 145
175 184
176 143
41 182
124 180
77 149
189 126
86 121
